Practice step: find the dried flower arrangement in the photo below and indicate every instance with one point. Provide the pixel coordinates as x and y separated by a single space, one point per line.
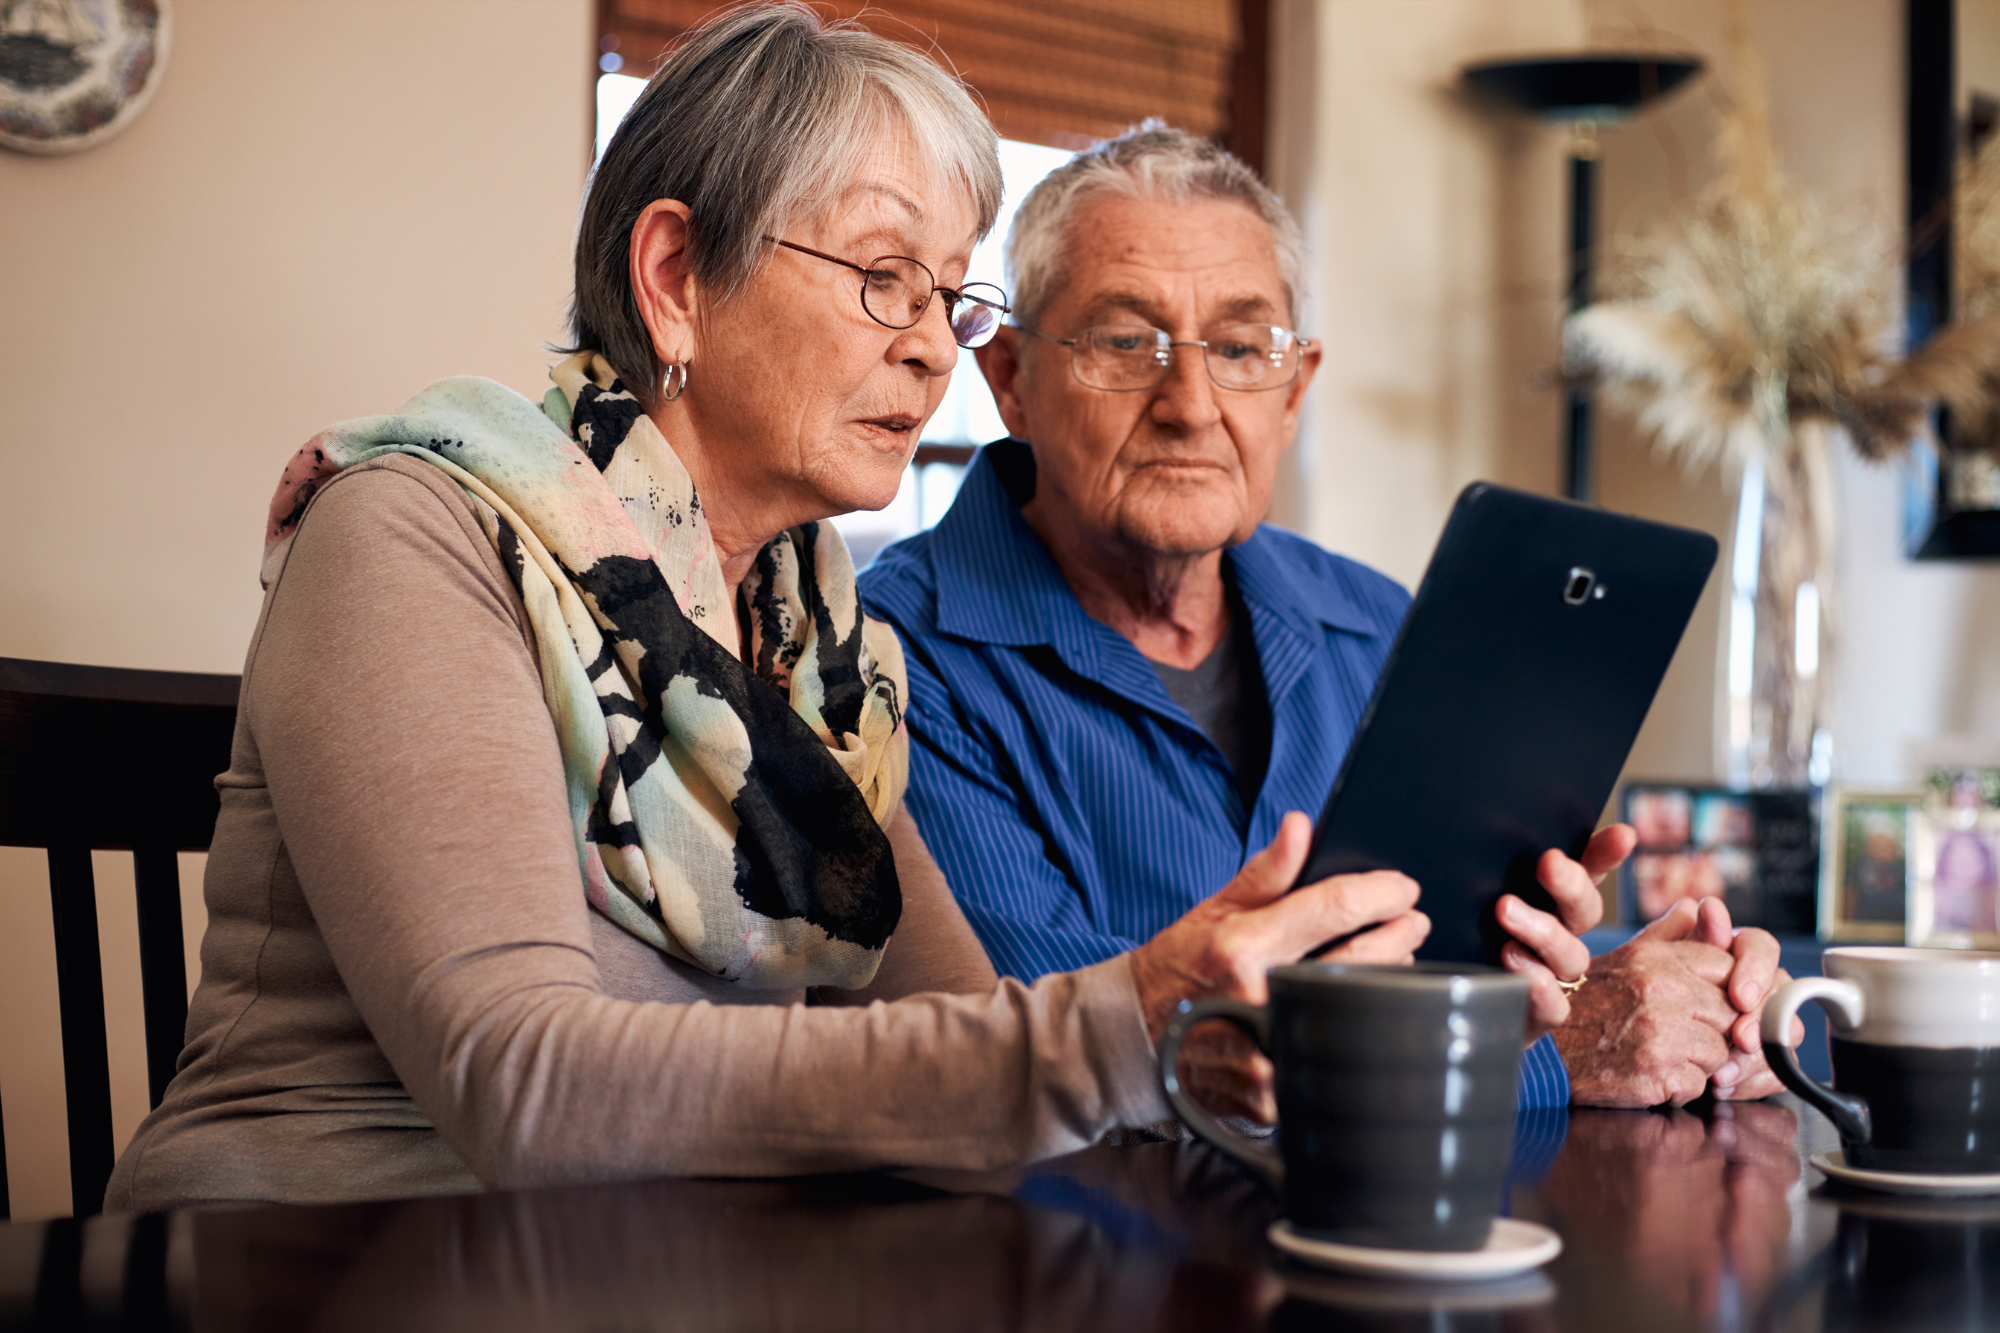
1756 313
1752 314
1746 334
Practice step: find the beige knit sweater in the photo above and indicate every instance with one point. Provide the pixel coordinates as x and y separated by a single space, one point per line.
403 991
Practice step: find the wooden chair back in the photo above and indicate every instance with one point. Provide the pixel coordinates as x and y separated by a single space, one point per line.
100 758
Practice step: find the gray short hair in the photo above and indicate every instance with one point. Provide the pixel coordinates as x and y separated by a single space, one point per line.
761 117
1150 162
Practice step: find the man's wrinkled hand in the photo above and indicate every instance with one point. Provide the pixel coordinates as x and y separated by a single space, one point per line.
1652 1025
1545 947
1745 1076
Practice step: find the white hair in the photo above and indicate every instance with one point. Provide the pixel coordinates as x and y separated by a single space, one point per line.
760 118
1150 162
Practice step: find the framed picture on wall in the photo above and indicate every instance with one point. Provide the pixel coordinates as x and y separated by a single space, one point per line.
1865 862
1954 898
1758 851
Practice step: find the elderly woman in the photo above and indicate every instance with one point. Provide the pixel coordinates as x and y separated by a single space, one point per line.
562 838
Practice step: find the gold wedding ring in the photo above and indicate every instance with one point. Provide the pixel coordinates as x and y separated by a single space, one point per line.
1572 987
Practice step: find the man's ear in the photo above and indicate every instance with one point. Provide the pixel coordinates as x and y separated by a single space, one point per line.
1000 363
1295 395
661 284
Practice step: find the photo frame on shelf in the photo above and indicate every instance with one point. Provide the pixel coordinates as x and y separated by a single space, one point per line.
1865 861
1954 900
1759 851
1972 787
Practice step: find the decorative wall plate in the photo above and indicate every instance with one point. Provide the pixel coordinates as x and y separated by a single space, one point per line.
75 72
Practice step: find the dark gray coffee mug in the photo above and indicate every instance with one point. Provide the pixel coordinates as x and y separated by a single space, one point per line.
1396 1092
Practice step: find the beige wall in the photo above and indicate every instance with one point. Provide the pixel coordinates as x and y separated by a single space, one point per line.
1433 231
326 206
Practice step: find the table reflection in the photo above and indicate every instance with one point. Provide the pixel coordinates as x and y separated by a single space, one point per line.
1696 1209
1138 1240
1670 1219
1915 1264
1321 1301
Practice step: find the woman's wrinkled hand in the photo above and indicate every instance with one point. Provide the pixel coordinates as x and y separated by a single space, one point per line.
1224 946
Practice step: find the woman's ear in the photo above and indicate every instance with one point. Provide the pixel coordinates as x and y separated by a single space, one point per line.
661 283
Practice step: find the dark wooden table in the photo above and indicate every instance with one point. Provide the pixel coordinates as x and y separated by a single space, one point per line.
1702 1219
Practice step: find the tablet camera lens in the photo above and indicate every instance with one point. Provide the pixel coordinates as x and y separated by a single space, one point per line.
1577 587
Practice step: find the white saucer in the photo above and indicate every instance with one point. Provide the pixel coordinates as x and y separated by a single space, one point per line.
1514 1247
1834 1164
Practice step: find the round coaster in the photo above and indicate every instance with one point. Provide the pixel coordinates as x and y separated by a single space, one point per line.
1834 1165
1514 1246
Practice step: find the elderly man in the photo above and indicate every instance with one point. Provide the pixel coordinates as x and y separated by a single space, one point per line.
1121 680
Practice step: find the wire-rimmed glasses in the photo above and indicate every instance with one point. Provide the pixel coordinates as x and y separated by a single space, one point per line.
896 290
1122 358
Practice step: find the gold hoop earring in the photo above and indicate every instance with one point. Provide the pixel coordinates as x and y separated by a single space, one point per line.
674 383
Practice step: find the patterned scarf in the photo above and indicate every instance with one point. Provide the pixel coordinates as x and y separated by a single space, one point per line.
729 815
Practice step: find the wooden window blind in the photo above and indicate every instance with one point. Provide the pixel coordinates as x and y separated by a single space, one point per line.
1060 72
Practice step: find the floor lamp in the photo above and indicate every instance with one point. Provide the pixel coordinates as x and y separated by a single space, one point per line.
1585 92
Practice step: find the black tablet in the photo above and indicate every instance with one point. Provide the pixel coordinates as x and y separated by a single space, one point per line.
1508 704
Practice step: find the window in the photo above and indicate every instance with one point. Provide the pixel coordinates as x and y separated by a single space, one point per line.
615 95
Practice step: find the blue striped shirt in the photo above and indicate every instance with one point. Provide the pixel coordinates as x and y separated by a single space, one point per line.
1074 807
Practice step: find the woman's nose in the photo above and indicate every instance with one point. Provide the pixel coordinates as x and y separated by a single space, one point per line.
928 344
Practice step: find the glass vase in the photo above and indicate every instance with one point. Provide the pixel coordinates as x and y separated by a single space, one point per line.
1780 613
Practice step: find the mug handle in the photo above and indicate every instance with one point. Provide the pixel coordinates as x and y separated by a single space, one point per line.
1842 1000
1259 1156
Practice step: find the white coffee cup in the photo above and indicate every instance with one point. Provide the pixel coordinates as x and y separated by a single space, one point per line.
1916 1055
